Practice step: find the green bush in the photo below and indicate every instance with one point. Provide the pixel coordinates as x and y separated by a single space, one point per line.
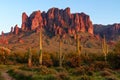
20 75
50 77
105 73
62 76
85 77
99 65
60 69
43 70
47 61
72 60
55 59
82 70
114 60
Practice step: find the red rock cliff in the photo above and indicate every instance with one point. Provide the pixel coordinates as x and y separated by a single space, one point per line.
55 20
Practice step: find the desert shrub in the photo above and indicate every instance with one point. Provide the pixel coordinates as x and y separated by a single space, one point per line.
111 78
47 61
100 65
105 73
38 77
20 57
4 58
60 69
87 58
114 60
42 70
72 60
50 77
55 59
84 77
20 75
62 76
82 70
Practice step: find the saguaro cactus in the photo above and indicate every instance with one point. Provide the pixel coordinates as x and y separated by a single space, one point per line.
40 52
60 53
104 47
78 45
29 57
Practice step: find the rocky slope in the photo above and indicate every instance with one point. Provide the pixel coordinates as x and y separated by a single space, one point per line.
58 22
112 32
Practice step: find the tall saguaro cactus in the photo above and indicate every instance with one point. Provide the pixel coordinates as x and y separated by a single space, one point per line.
29 57
104 47
40 52
60 53
78 45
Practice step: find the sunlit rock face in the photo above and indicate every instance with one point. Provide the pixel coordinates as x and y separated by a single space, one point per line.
57 21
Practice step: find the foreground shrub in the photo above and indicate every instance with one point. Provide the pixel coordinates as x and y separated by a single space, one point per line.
82 70
72 60
100 65
42 70
49 77
105 73
47 61
60 69
55 59
62 76
111 78
85 77
114 60
20 75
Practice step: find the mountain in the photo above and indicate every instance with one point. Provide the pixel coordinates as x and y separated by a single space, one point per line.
112 32
54 22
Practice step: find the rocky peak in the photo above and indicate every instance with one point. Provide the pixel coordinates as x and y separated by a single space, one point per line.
36 20
24 21
16 29
56 19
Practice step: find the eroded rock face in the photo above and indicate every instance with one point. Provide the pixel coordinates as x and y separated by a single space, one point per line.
58 20
16 29
3 39
24 22
36 20
111 32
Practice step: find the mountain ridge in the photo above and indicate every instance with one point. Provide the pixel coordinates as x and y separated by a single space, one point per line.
56 22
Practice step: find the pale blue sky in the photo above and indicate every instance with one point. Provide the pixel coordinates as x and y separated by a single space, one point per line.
100 11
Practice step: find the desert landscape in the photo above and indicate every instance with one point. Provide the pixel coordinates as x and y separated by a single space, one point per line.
58 44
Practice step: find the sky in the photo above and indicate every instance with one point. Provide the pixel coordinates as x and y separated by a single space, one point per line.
100 11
